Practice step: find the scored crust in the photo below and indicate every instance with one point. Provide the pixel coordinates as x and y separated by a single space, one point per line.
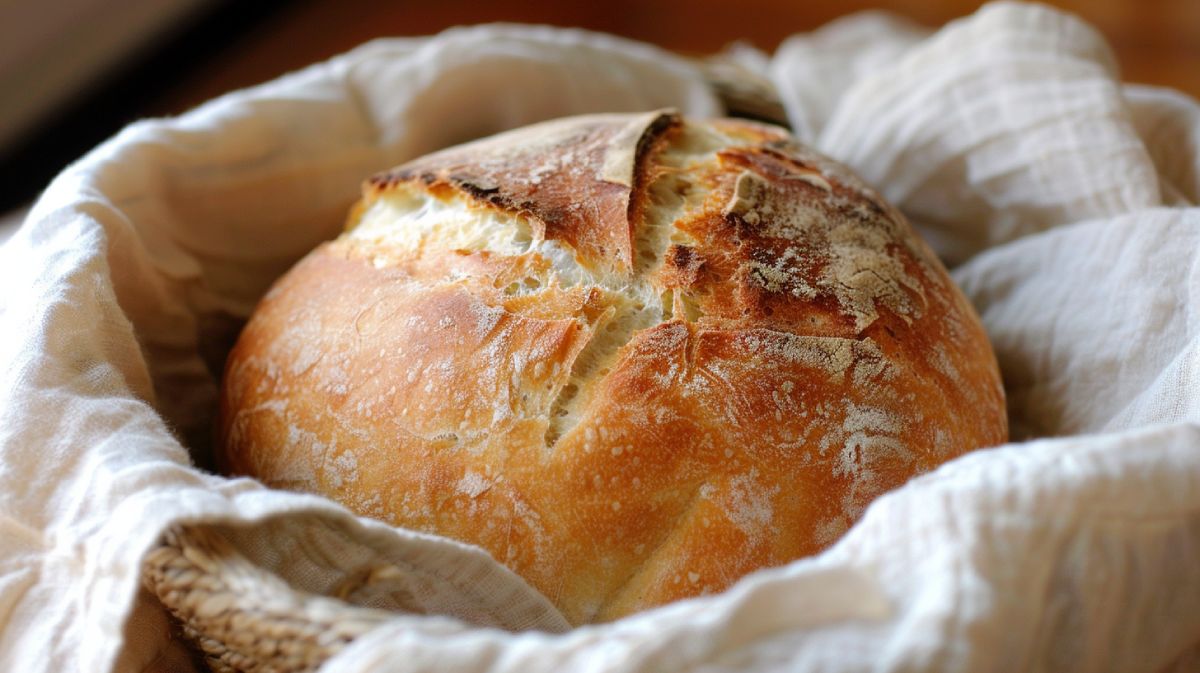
634 357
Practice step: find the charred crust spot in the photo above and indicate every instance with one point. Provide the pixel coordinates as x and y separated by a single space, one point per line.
741 228
494 197
683 266
381 182
682 257
386 180
476 187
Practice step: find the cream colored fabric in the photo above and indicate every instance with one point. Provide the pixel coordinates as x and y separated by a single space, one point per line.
1066 202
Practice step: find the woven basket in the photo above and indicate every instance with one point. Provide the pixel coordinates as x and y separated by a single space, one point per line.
244 619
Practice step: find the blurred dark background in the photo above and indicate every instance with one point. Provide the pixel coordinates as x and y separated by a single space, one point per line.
72 72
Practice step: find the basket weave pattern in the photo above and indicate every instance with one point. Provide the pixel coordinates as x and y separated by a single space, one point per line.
243 618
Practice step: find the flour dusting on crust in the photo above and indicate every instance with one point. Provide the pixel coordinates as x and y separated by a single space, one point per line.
632 357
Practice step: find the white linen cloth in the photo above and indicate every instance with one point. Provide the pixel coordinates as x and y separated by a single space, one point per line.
1065 202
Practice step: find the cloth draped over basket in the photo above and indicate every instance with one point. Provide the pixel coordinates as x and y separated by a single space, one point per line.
1064 201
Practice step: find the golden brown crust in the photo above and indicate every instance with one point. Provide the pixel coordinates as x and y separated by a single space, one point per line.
741 347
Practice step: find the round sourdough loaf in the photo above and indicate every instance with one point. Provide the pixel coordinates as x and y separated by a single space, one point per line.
634 357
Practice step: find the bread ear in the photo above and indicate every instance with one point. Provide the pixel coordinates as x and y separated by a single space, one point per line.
571 179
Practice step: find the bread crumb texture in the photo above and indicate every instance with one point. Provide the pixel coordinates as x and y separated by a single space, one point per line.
634 357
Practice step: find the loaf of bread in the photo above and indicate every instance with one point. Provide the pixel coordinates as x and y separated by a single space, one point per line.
634 357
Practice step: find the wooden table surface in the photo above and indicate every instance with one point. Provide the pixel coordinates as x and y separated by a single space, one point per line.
1156 41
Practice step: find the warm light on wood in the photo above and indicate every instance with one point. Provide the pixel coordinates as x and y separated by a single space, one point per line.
1156 41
